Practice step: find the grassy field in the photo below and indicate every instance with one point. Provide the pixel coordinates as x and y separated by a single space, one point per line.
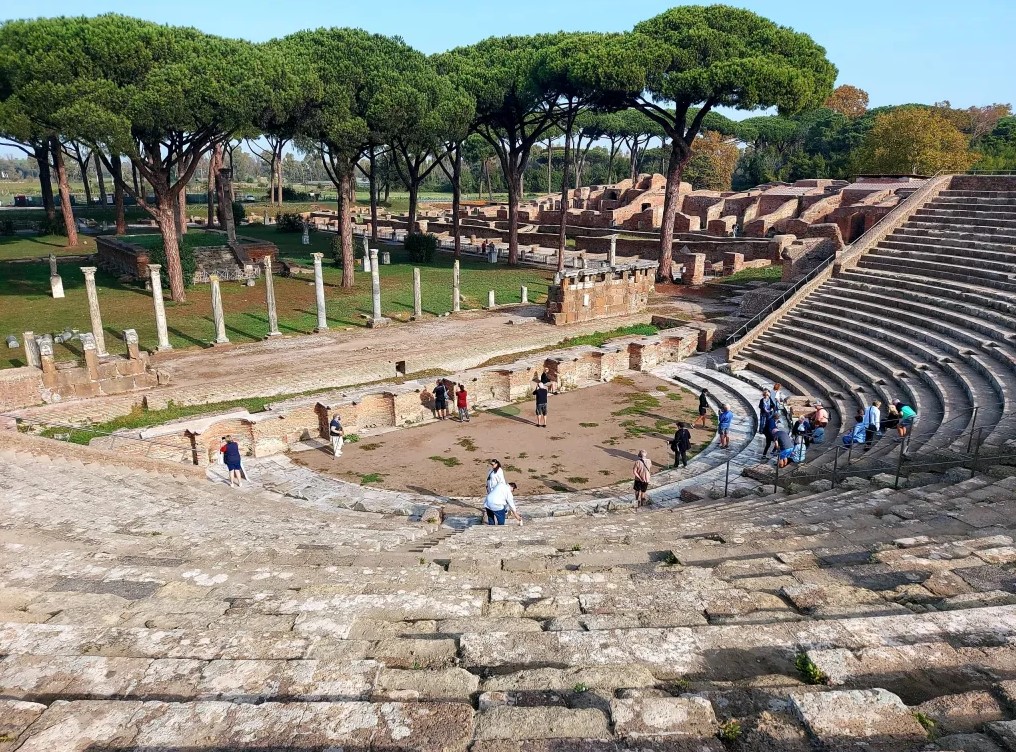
25 302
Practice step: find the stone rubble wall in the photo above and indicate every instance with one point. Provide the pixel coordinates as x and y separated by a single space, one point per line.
600 293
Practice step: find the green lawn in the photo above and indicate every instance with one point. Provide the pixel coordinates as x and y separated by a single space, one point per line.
25 302
764 274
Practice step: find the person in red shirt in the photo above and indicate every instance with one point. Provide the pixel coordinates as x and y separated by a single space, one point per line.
462 402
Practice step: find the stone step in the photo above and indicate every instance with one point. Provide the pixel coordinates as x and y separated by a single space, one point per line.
895 264
989 298
1001 220
998 259
987 231
934 255
955 238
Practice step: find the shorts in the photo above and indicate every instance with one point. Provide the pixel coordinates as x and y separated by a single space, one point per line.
440 404
703 410
233 466
907 422
723 431
640 486
786 454
541 409
495 517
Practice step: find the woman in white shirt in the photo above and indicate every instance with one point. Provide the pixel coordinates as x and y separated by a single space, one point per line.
495 476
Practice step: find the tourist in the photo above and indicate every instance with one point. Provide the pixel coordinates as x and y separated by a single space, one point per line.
800 429
234 462
779 398
336 434
550 382
872 423
703 407
766 406
857 434
641 471
784 447
907 418
500 501
441 400
723 423
768 429
495 475
892 418
821 417
462 403
541 404
680 444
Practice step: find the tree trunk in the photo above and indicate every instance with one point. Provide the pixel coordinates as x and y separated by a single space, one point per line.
372 183
210 193
181 210
117 172
83 166
679 155
562 238
414 198
220 189
166 217
45 181
101 179
457 199
65 193
550 166
514 180
278 182
346 226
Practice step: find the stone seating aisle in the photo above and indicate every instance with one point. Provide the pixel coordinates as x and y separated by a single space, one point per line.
139 610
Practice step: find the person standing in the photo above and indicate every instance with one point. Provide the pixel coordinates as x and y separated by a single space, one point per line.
549 381
441 400
681 443
769 427
766 406
872 423
499 502
907 417
641 471
723 422
337 434
703 408
462 403
234 462
779 398
495 476
541 404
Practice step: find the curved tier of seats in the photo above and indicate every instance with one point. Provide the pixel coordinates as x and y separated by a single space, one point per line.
927 316
146 609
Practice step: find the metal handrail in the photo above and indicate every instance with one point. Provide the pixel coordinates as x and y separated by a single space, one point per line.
776 304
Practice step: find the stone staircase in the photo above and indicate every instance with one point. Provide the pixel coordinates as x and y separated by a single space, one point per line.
219 260
148 609
927 316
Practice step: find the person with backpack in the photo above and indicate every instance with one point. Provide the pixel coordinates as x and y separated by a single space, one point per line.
723 422
641 471
680 444
441 400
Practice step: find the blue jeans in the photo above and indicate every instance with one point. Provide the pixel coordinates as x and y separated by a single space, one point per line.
495 517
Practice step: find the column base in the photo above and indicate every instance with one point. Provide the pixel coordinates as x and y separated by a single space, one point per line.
319 329
378 323
162 348
218 342
273 334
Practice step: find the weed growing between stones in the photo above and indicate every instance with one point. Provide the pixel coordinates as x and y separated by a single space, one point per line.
576 547
730 731
580 688
811 673
466 443
589 425
927 723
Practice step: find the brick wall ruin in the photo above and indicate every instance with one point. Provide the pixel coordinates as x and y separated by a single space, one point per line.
587 294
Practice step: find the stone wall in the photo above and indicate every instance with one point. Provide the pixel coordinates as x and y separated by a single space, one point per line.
587 294
20 387
120 257
98 376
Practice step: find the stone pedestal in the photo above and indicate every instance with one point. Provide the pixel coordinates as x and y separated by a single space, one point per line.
248 274
160 307
319 294
612 252
46 360
491 299
52 266
90 350
525 294
732 263
456 299
130 338
386 257
31 349
273 315
217 314
694 269
93 309
417 296
366 263
56 286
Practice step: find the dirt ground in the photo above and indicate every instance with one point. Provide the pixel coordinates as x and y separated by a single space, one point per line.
592 438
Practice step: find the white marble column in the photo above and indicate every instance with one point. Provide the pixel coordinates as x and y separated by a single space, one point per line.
319 293
55 280
217 314
31 349
491 299
525 294
160 308
93 310
273 314
417 295
456 300
612 254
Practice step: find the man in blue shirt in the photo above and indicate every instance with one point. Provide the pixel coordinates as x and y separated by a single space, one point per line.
872 423
723 423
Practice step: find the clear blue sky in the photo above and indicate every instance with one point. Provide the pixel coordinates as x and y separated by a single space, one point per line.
899 51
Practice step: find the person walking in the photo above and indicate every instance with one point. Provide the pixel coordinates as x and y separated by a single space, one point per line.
768 430
495 475
908 416
680 444
703 408
499 502
234 461
337 435
641 471
723 422
872 423
540 392
441 400
462 403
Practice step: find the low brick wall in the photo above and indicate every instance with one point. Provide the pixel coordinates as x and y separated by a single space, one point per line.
120 257
584 295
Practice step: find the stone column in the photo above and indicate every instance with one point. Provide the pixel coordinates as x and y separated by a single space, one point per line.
130 338
93 309
525 294
90 349
491 299
217 314
417 297
732 263
46 360
273 314
319 293
31 349
375 284
612 253
52 265
456 301
694 269
160 308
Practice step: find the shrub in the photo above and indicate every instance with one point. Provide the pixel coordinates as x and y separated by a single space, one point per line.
335 246
730 731
811 673
188 263
421 247
6 227
288 194
239 213
49 226
288 222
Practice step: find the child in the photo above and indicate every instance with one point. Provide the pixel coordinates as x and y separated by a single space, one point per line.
462 402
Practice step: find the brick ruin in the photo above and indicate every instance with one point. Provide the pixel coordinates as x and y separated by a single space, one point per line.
586 294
